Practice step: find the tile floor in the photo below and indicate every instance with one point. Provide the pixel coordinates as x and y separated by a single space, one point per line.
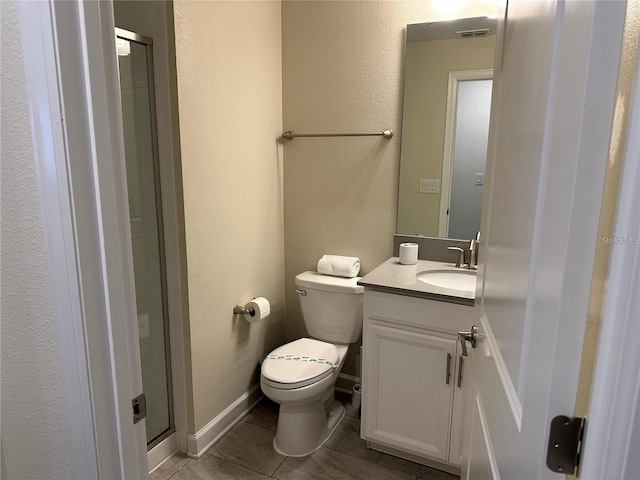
246 452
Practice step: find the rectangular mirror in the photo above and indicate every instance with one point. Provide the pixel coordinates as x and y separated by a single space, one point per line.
447 98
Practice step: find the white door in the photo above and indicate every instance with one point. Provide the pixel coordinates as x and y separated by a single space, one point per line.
553 98
469 157
70 67
465 150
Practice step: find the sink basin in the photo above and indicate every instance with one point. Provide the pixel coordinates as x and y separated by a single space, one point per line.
464 280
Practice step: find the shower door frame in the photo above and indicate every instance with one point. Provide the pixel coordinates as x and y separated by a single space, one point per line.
148 43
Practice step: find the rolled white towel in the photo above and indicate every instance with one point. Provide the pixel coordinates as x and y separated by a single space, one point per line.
339 266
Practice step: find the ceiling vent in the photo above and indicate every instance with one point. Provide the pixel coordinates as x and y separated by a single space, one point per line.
480 32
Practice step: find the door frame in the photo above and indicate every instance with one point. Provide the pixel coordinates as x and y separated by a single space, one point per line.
455 77
91 277
612 440
71 75
147 42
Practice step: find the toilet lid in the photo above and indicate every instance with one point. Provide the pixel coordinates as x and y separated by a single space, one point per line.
300 361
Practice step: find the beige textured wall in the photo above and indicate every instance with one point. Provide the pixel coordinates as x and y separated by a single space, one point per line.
230 106
34 435
342 72
424 111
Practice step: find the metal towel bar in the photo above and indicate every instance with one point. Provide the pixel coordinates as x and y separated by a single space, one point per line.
290 135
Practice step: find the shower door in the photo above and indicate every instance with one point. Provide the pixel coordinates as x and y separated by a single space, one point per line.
135 63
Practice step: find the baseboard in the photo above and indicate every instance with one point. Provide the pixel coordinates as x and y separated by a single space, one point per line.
200 442
203 439
345 383
444 466
162 451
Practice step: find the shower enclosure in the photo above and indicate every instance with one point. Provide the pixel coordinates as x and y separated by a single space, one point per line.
135 62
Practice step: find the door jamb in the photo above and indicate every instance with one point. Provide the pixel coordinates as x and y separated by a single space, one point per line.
69 47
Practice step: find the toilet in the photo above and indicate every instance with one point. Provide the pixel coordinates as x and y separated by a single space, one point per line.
301 375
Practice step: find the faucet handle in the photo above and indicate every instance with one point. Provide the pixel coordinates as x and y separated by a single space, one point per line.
473 254
460 251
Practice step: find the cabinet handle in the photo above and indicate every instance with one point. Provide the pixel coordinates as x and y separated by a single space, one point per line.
448 373
460 361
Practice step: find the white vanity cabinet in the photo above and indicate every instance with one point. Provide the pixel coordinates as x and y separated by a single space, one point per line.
413 377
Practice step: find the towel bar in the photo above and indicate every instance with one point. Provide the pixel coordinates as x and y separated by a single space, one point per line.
290 135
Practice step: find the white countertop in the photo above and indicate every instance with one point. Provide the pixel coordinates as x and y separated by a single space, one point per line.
394 277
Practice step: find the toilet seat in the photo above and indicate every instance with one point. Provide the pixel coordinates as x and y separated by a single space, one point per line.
299 363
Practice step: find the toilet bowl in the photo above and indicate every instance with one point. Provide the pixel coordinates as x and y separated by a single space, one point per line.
308 412
301 375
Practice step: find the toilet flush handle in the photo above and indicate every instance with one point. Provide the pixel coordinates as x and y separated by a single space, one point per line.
301 292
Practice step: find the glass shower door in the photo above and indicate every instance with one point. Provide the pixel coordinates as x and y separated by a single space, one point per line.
135 63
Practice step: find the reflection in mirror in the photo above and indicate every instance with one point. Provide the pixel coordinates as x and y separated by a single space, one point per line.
447 97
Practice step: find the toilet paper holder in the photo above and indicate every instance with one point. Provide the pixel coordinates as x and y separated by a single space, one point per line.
256 310
240 310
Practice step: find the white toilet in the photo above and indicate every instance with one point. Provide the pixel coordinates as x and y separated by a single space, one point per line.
300 376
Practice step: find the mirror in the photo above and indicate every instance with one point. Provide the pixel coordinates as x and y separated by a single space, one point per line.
447 97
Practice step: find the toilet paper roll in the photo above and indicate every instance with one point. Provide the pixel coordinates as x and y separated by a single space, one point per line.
408 253
259 309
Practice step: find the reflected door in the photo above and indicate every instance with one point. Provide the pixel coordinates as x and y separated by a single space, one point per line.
145 210
465 152
469 157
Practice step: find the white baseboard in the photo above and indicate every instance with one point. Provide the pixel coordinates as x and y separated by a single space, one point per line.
447 467
162 451
345 383
200 442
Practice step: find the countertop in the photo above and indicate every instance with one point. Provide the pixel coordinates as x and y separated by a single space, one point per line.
392 277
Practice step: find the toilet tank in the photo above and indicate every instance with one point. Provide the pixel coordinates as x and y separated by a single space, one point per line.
331 306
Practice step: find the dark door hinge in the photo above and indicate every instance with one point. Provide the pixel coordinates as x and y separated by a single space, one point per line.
565 444
139 407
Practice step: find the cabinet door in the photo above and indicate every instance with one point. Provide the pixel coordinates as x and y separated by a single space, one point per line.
408 392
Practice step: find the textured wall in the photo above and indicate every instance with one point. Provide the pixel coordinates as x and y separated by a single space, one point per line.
342 72
34 442
230 103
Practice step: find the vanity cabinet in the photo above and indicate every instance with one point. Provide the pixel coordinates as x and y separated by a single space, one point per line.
413 377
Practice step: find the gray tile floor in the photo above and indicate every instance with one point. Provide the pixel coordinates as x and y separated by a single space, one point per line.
246 452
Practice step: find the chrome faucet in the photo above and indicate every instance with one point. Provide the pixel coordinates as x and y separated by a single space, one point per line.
473 252
460 262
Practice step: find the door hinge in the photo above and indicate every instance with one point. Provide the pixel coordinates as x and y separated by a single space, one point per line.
565 444
139 407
